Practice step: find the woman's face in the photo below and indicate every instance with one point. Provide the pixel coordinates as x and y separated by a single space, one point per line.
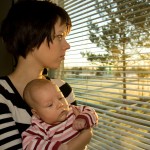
51 56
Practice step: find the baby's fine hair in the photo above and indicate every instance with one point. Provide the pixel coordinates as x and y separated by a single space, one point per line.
29 23
33 88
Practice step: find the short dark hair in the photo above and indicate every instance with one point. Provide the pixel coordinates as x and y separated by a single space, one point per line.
29 23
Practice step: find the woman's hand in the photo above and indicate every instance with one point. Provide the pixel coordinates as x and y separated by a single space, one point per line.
80 142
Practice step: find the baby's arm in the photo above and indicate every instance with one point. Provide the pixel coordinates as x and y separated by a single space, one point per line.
87 118
35 138
79 142
36 141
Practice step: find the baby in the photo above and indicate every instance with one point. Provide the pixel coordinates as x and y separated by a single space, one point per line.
54 121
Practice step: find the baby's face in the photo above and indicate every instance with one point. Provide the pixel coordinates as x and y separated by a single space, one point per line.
51 106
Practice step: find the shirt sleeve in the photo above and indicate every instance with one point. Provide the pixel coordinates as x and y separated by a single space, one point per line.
35 137
89 114
9 133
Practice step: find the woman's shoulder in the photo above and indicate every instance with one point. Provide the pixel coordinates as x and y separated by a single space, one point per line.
66 89
12 103
3 78
58 81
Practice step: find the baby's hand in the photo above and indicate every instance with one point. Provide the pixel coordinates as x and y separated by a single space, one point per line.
79 124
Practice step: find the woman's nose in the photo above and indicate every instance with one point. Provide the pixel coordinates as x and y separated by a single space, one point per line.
66 45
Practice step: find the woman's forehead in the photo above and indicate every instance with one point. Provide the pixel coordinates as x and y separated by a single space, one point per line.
61 27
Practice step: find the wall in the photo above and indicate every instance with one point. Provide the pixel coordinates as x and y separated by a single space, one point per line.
6 60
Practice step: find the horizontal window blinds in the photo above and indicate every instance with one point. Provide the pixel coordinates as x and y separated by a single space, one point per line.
108 66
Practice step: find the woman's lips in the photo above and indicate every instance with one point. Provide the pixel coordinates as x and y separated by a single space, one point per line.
62 57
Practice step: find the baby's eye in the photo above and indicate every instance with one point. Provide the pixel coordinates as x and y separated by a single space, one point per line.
50 105
61 98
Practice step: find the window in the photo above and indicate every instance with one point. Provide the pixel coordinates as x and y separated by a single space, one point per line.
108 66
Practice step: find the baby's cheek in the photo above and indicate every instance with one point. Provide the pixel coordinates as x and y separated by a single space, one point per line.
66 106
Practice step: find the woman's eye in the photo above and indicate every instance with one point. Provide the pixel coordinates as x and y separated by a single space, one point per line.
59 37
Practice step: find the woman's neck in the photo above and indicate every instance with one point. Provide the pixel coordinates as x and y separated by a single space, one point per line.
24 72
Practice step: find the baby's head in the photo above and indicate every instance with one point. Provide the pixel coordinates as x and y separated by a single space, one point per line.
46 101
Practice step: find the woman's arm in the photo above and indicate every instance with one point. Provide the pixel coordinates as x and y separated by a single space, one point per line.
13 118
9 134
81 141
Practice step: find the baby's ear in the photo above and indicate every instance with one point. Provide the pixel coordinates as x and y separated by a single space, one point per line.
34 112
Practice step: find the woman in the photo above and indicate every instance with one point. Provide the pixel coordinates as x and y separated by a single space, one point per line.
34 32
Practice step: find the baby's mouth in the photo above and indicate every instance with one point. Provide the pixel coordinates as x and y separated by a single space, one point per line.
64 112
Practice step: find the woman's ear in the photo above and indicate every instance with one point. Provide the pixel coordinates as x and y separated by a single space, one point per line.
34 112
